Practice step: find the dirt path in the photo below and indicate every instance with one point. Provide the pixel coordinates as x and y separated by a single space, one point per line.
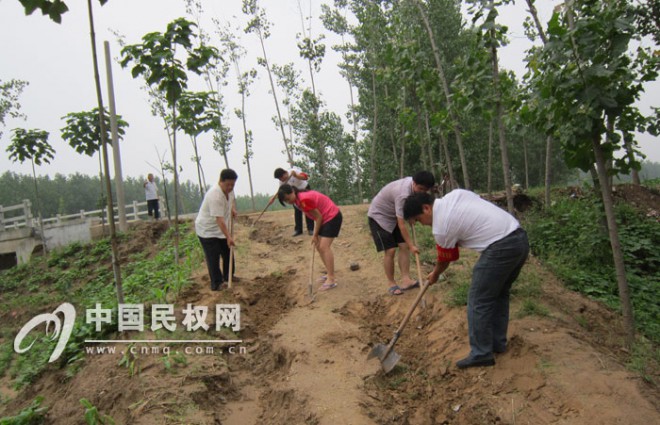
306 362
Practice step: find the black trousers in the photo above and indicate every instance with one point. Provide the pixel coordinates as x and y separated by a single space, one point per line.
152 208
214 248
298 215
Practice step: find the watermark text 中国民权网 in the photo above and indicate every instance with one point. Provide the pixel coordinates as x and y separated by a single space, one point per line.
131 317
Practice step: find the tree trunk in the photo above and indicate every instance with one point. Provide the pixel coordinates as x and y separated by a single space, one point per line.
41 220
176 187
617 253
289 154
526 164
445 87
429 147
162 173
113 234
372 164
356 151
490 156
450 168
247 147
631 156
548 175
549 139
500 126
199 166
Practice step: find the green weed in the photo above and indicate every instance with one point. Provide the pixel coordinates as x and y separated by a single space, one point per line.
93 416
458 295
532 308
31 415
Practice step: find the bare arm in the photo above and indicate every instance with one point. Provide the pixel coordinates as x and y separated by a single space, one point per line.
223 228
406 236
318 220
440 267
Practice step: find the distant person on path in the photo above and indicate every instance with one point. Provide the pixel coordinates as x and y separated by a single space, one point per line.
151 194
327 218
213 227
388 227
463 219
295 178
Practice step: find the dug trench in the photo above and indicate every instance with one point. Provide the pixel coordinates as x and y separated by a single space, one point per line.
306 362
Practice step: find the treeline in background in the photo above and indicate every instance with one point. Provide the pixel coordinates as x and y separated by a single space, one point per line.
69 194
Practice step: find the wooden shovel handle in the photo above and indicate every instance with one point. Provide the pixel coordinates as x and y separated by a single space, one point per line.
405 320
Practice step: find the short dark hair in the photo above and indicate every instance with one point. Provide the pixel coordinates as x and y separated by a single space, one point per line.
285 189
279 172
228 174
424 178
412 206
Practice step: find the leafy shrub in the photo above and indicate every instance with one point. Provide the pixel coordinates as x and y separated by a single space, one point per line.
31 415
571 238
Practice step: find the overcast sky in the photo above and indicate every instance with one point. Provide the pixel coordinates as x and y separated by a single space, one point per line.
56 61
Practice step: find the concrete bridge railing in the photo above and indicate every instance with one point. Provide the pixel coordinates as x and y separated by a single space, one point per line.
21 235
20 215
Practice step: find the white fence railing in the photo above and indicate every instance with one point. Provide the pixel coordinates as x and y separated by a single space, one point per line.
20 215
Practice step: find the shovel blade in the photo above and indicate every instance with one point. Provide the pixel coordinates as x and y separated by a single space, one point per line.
387 363
377 351
390 361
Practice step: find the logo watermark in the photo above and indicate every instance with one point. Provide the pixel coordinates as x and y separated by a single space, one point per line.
131 318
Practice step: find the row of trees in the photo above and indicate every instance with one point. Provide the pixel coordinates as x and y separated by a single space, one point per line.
68 194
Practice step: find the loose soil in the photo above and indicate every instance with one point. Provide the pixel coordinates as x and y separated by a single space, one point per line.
306 361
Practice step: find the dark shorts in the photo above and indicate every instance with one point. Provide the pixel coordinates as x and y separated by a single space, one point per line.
383 239
332 227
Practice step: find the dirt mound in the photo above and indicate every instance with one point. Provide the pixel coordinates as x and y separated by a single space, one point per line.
644 198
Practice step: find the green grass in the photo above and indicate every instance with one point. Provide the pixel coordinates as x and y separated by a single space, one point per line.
82 275
532 307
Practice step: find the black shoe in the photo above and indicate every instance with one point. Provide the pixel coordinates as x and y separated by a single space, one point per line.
216 288
310 232
499 350
235 279
471 362
296 233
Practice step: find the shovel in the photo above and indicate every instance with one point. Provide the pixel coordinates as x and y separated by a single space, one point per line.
385 353
311 278
262 213
231 254
419 266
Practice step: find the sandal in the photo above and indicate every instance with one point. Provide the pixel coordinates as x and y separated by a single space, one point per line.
413 286
322 278
327 286
395 290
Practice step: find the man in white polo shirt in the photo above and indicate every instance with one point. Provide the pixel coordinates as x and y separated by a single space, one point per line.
463 219
151 195
212 226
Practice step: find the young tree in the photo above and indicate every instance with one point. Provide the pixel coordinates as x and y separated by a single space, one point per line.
55 9
260 26
83 133
235 52
333 20
32 145
155 59
198 113
590 77
494 36
9 93
215 76
452 115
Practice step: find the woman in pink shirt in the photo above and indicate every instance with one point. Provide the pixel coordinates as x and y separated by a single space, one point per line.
327 218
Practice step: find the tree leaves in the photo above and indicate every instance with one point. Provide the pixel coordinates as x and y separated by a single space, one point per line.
32 145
